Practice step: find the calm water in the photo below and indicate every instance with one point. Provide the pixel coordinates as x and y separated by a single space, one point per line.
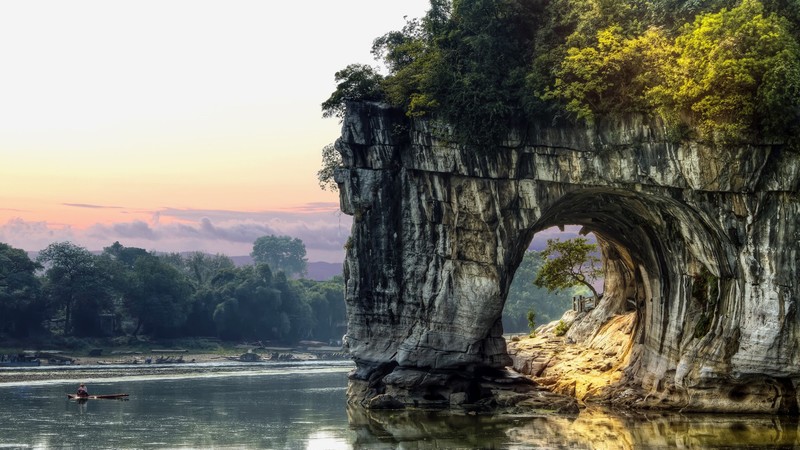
302 406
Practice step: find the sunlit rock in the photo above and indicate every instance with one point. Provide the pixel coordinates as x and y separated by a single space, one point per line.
701 244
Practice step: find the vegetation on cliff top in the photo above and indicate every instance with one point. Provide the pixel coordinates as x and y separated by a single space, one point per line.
725 71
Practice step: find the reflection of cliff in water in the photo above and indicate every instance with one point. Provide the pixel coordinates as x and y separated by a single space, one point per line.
592 428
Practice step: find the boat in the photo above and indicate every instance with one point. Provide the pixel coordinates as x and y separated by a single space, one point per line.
96 397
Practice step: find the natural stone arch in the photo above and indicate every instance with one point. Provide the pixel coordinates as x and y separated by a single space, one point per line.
438 232
653 247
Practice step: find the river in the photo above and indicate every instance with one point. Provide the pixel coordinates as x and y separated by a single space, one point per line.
302 406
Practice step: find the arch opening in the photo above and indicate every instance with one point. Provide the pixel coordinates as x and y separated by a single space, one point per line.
667 273
547 306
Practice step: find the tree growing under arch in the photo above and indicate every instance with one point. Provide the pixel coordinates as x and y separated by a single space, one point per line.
569 263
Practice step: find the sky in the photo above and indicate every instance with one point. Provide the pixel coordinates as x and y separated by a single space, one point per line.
176 125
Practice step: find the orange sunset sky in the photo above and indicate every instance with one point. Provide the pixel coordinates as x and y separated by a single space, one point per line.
176 125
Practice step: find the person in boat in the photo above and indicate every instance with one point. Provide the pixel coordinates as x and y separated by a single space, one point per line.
82 392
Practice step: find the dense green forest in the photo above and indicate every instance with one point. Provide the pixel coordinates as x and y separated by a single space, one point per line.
125 291
721 71
70 292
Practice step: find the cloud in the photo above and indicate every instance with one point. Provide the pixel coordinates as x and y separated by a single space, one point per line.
322 228
323 232
136 229
34 235
86 205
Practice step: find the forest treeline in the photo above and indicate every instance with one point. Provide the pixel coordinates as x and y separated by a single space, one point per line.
127 291
722 71
68 291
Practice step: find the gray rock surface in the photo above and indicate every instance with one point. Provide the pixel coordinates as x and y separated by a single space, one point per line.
703 242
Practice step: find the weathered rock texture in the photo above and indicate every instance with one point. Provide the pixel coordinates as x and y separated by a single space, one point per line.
702 242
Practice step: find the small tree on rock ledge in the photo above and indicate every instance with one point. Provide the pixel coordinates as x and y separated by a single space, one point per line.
568 264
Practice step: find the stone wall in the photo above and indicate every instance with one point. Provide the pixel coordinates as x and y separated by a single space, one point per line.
702 241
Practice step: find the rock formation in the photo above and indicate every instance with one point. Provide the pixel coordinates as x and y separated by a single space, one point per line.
701 242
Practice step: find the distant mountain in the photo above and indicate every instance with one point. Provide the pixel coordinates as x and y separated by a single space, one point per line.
317 270
239 261
322 271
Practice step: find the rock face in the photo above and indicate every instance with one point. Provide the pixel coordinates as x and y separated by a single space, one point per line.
703 243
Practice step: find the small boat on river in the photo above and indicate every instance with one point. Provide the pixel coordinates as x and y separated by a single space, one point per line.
97 397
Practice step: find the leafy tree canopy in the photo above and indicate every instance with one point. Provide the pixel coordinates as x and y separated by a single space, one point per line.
524 297
331 159
76 282
568 264
356 81
22 307
281 253
729 69
133 292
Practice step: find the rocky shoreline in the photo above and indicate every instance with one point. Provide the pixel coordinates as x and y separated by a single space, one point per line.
590 372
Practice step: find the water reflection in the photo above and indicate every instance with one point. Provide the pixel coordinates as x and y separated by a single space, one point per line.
326 440
591 429
304 407
291 408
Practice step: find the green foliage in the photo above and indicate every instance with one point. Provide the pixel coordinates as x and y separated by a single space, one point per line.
561 328
160 297
164 296
414 60
568 264
524 297
478 83
737 73
281 253
531 316
331 159
354 82
326 300
729 69
22 306
613 76
75 283
249 304
732 74
201 268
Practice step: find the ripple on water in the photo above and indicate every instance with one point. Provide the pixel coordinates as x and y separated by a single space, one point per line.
38 376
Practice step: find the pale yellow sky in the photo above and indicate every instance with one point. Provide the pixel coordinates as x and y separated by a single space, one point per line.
116 114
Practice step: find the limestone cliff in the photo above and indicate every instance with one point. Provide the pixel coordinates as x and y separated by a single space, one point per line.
701 243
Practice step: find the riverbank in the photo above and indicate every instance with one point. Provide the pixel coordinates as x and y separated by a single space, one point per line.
87 368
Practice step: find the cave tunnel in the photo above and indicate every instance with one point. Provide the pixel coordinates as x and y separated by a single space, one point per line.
662 259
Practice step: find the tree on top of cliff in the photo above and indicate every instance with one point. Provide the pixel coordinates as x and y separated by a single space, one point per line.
568 264
728 68
354 82
737 73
